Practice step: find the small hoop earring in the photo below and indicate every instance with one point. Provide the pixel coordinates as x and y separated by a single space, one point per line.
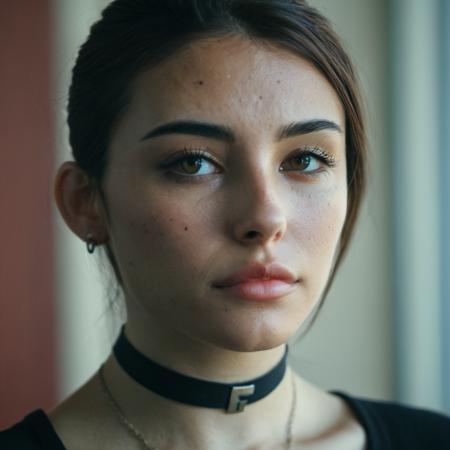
90 244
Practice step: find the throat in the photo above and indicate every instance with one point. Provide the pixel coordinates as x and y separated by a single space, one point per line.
179 387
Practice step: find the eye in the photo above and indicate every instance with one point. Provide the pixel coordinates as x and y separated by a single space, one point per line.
304 163
191 163
309 160
195 165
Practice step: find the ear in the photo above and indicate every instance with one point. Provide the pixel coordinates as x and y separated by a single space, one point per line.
79 203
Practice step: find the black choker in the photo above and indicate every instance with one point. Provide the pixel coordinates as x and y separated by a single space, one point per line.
193 391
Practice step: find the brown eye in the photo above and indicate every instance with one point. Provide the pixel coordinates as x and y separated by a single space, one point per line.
302 162
191 165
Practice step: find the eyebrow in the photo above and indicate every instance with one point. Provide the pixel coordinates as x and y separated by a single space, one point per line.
225 134
208 130
306 127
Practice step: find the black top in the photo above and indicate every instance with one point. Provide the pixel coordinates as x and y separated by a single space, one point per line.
388 426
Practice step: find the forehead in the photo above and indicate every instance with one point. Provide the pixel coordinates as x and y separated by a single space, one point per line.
236 81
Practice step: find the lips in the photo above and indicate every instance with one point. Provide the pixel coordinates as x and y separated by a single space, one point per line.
258 272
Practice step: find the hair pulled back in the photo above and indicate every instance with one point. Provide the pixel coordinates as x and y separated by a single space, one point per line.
134 35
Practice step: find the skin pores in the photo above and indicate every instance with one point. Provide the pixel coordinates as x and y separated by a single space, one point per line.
174 234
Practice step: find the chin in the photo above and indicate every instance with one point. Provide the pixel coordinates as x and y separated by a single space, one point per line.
253 337
257 326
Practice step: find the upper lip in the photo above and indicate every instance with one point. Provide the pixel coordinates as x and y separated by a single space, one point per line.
258 271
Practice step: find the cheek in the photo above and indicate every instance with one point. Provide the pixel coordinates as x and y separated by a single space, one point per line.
162 238
317 229
327 222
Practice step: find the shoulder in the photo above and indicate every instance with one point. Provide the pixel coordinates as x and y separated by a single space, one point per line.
396 426
34 432
85 420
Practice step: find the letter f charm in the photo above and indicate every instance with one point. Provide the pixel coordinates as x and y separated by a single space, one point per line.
235 403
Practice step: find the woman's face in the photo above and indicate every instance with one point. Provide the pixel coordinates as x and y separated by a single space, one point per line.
268 186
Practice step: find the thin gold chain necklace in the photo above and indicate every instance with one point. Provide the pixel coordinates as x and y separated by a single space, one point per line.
134 432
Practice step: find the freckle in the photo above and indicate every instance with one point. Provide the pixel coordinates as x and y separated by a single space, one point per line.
186 228
200 82
260 97
278 81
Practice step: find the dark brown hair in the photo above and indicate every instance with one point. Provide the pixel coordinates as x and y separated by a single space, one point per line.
134 35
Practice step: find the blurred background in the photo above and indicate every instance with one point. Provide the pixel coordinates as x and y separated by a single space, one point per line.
385 329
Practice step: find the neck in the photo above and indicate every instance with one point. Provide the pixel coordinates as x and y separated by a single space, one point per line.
195 391
170 424
186 423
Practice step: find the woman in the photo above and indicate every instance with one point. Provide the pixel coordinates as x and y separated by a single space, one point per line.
219 162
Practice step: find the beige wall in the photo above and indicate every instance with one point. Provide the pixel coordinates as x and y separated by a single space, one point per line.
83 337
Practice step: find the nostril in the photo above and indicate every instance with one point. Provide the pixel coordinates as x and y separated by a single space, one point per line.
252 234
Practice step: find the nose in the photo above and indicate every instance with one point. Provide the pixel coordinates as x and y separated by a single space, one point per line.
258 217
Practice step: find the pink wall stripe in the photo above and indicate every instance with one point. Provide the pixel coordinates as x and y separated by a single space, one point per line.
27 316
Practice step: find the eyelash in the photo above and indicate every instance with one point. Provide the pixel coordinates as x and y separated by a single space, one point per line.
197 153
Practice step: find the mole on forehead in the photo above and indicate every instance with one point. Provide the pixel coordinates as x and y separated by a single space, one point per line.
270 72
204 61
263 71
